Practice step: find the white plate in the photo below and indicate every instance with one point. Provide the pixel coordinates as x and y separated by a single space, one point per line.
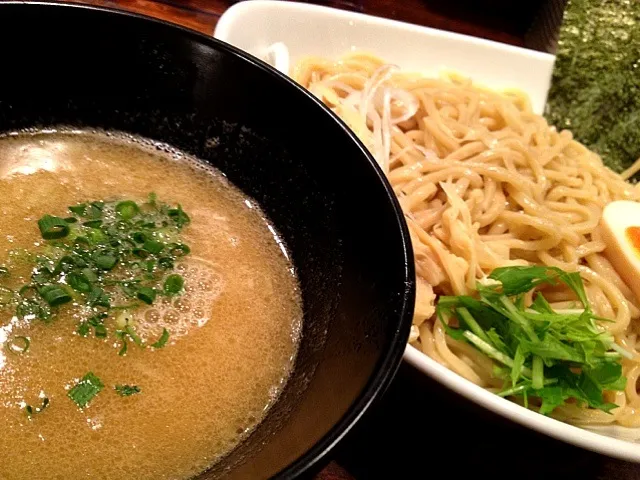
314 30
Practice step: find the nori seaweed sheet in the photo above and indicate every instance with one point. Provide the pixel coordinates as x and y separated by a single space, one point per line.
595 90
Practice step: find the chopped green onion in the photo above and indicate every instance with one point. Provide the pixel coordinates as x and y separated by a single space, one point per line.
54 295
179 249
6 296
53 227
106 261
146 294
97 298
140 252
79 282
179 216
83 329
19 344
127 390
92 223
134 336
78 209
96 236
166 263
90 274
96 321
100 237
81 241
139 237
173 284
85 390
123 350
162 341
152 246
127 209
100 331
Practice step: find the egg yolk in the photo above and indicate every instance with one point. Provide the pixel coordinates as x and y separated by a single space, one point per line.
633 236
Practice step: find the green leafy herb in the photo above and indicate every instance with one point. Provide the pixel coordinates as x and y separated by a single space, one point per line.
85 390
127 390
162 341
53 227
544 354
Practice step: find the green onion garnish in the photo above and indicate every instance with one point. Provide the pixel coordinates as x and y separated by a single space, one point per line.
162 341
85 390
146 294
104 258
92 223
78 209
127 209
98 298
6 296
179 216
79 282
173 284
152 246
166 262
54 295
127 390
179 249
53 227
105 262
139 237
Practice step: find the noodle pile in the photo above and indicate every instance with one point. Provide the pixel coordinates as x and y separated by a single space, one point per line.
485 183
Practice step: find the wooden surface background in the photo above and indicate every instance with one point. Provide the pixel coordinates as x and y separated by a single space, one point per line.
419 429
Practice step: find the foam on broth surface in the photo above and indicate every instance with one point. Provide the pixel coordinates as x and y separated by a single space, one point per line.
233 333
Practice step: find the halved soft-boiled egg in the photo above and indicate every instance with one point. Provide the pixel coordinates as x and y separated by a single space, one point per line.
620 224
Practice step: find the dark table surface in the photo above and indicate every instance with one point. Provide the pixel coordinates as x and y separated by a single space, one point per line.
419 429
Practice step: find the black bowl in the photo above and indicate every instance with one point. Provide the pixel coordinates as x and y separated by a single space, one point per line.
95 68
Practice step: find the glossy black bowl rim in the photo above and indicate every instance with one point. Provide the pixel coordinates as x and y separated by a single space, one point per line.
390 362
